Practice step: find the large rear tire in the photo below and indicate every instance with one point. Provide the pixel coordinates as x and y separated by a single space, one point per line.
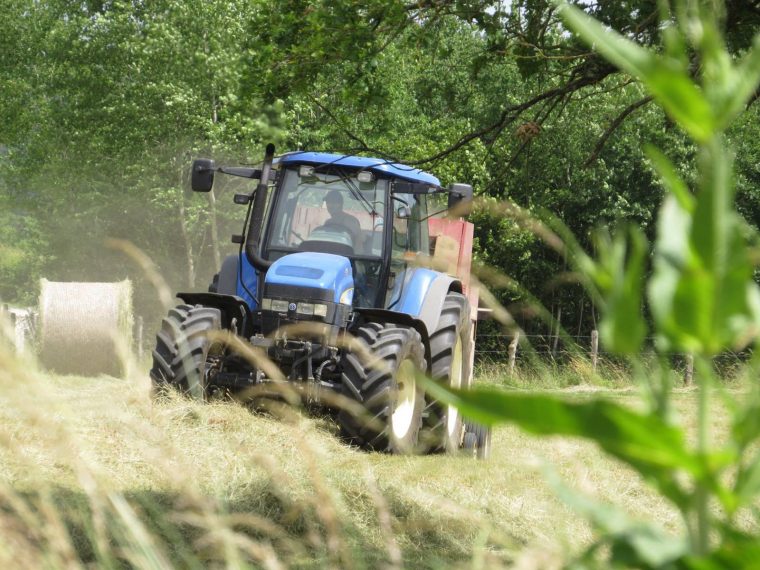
185 353
386 386
450 350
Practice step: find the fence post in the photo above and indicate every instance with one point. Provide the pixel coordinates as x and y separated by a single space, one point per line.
594 348
689 376
556 333
513 352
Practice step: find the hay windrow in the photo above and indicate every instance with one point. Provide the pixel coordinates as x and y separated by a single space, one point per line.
82 324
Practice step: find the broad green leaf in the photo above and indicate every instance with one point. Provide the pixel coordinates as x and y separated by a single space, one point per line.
653 447
634 544
672 258
665 77
716 66
722 251
701 292
714 219
729 87
622 327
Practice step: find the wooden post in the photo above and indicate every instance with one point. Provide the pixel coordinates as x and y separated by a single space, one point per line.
513 352
594 348
689 376
556 334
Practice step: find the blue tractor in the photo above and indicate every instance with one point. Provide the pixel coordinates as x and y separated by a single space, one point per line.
328 286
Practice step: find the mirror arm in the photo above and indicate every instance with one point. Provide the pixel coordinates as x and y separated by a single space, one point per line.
246 172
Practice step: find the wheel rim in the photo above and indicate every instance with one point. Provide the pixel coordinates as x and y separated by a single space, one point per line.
452 413
406 396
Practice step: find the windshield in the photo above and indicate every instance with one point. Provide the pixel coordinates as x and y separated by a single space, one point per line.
333 213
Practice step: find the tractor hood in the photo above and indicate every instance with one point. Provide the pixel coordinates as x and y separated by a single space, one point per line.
312 275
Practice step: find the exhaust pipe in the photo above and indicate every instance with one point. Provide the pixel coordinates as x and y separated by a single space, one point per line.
257 216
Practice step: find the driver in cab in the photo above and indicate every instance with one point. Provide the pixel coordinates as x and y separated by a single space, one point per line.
334 202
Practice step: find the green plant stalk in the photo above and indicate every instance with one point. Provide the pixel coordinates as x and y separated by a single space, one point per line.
702 493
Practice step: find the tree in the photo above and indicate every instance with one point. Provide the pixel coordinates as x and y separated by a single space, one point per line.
310 35
124 93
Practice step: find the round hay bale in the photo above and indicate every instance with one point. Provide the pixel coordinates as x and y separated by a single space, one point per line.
83 325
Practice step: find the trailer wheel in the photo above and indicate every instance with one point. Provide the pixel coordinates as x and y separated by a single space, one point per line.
387 387
477 440
450 349
184 354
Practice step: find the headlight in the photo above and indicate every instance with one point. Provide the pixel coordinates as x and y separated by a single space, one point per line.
347 297
315 309
279 306
282 306
305 308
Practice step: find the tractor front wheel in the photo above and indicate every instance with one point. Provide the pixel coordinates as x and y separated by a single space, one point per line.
186 352
383 379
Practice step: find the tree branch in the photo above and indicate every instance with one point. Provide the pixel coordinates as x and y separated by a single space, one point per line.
510 114
613 127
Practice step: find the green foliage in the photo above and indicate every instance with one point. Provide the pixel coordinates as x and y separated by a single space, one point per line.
703 300
22 253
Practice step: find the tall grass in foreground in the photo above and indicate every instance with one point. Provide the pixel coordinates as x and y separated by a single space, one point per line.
93 473
703 300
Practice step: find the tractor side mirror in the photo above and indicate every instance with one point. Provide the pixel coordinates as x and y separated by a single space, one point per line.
460 198
203 175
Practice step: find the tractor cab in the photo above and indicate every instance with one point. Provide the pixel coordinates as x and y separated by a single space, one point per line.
350 208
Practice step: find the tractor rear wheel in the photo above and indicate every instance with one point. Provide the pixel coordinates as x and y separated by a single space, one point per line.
385 384
450 351
185 353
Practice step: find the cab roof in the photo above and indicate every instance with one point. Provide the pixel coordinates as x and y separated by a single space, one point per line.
379 165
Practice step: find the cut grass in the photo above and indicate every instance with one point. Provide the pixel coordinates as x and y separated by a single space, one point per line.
93 471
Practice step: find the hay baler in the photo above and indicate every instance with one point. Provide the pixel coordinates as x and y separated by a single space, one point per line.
337 284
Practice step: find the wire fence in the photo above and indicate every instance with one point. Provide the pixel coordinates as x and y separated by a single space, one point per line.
524 349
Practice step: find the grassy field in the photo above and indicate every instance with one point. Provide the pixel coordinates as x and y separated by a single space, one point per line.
93 471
